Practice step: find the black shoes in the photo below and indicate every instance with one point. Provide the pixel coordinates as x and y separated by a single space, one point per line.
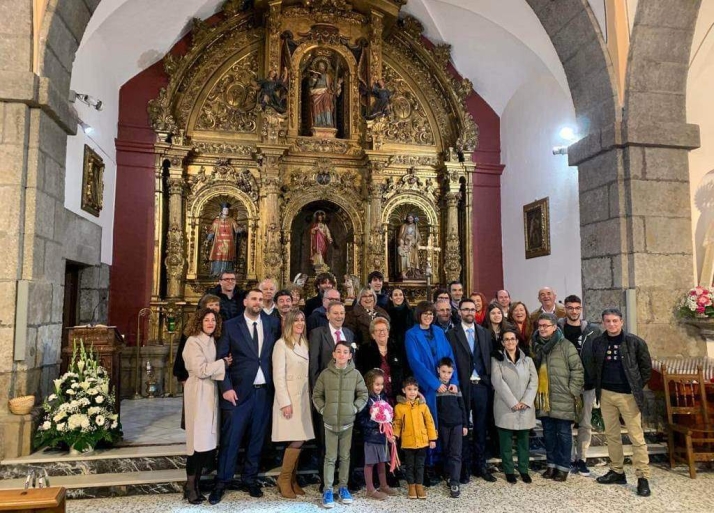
549 473
254 490
486 476
511 478
613 477
643 487
465 479
560 476
526 477
216 495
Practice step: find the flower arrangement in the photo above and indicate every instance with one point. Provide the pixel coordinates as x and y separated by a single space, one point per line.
698 302
383 414
80 412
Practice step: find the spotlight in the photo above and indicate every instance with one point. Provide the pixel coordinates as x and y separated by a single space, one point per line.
86 99
568 134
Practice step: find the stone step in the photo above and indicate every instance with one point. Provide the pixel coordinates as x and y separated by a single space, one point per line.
123 483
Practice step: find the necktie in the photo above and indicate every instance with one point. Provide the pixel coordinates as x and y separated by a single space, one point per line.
255 336
470 337
337 336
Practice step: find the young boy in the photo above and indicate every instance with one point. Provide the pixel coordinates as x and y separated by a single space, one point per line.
339 394
412 421
452 426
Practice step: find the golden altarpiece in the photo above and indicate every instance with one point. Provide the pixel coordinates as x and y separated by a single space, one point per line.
296 110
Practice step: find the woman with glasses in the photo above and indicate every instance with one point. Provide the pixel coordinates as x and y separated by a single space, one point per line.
363 312
560 383
382 353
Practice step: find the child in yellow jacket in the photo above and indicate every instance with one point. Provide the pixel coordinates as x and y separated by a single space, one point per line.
412 420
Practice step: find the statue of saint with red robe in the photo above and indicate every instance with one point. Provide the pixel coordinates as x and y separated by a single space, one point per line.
223 235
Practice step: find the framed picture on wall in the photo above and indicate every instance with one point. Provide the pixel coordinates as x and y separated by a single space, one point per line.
536 228
92 182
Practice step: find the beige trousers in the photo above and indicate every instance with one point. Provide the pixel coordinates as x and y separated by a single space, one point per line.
613 406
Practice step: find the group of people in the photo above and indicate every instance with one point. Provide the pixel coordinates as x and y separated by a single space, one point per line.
457 365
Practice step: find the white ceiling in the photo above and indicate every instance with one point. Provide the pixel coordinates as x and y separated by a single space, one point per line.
498 44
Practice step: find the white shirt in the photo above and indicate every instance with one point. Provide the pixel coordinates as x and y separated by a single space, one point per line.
259 377
334 337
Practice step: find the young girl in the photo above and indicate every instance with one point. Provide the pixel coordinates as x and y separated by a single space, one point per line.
414 426
375 442
339 394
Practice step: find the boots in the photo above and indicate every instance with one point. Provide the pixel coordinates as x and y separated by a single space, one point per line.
412 494
286 473
293 482
420 491
189 490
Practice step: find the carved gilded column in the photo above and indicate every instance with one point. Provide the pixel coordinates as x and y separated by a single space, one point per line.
270 213
375 47
452 254
470 169
175 260
272 37
375 233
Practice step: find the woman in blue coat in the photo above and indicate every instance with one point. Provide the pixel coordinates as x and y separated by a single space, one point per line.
425 346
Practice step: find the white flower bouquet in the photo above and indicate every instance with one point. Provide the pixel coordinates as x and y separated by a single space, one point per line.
80 412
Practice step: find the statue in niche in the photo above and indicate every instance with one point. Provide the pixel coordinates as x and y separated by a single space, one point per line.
325 87
320 239
223 236
408 242
381 105
273 91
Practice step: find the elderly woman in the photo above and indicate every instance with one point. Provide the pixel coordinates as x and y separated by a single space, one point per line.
364 311
200 396
292 420
560 383
515 381
520 318
480 301
383 353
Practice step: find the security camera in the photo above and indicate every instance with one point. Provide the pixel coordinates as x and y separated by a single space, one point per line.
86 99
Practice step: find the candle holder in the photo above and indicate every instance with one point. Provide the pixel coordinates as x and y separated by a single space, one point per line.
152 386
144 312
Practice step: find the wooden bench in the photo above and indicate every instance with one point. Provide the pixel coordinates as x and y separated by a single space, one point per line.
37 500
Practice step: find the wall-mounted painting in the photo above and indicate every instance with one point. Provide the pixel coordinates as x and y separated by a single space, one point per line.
536 228
92 182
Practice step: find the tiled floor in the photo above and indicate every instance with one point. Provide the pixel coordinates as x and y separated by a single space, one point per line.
671 492
152 421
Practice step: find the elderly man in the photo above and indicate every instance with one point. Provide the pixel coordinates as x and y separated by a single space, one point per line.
268 288
319 316
444 319
547 297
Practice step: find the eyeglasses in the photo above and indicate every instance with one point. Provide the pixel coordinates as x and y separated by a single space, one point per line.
545 326
228 279
383 330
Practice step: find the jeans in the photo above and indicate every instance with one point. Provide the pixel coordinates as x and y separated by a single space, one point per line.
414 465
558 437
451 440
522 449
337 445
585 427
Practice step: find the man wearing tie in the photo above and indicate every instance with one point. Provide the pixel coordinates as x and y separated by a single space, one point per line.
247 392
471 345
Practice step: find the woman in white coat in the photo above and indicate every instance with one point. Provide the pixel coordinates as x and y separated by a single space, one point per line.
292 418
515 382
200 396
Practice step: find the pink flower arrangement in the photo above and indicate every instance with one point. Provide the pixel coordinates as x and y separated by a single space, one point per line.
698 302
380 412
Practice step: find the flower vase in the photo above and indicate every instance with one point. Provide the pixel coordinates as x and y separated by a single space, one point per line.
73 451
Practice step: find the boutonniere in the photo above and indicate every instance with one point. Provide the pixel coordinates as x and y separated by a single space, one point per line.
354 345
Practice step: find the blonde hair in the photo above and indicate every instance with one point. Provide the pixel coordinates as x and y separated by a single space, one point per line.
291 340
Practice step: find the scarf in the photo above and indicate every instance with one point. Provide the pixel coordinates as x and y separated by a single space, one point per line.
541 350
480 316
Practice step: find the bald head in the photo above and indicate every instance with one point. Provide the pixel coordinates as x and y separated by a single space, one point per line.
547 296
268 288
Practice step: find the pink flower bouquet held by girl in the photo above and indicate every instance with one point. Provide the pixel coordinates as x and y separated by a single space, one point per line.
383 414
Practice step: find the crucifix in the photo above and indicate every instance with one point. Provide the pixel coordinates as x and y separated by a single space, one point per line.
430 249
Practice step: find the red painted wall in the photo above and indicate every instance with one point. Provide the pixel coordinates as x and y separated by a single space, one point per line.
133 259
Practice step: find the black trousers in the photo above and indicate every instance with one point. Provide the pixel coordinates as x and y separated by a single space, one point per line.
198 461
414 465
481 407
451 440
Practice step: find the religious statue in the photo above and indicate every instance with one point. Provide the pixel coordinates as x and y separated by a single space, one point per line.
325 88
272 91
223 232
381 104
408 242
320 238
349 287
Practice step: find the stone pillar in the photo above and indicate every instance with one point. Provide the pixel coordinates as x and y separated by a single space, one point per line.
270 213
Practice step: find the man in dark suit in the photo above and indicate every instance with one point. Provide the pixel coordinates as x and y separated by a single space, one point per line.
247 392
318 317
471 345
324 338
